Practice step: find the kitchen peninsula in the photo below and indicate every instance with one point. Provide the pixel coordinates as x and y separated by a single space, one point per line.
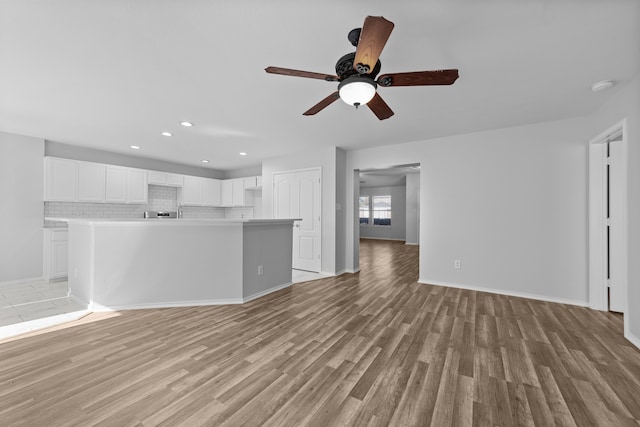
127 264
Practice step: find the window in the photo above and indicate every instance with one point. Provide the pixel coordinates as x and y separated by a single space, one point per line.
376 207
364 210
381 210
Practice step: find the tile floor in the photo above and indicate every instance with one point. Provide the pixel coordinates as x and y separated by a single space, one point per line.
298 276
25 307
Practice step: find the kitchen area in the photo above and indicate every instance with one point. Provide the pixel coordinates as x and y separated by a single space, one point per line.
117 237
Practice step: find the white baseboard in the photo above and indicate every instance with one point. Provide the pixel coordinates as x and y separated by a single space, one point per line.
21 281
412 244
169 304
382 238
266 292
508 293
630 337
79 300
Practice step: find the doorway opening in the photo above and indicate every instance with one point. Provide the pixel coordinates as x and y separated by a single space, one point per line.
608 256
388 203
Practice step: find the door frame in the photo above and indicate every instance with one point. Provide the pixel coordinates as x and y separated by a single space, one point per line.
273 201
598 298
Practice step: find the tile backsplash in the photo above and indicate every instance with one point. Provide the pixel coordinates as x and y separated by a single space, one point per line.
160 199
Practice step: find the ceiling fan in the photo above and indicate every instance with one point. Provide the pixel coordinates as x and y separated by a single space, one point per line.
357 71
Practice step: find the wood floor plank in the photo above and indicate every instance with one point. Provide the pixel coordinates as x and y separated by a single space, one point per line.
374 348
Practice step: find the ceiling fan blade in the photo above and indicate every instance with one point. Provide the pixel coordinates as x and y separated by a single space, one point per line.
322 104
419 78
379 107
298 73
375 32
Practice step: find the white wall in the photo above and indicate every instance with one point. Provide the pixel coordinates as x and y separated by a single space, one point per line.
66 151
341 200
511 204
397 229
21 214
625 103
413 209
324 158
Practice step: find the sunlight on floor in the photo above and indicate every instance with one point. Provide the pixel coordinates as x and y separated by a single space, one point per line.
25 307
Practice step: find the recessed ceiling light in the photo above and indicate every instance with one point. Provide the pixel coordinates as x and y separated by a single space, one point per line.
167 134
135 147
186 124
243 153
601 85
204 161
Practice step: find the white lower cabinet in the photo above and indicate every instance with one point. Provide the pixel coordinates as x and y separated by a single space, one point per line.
55 254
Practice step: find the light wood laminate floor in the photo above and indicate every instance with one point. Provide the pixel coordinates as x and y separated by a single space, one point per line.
368 349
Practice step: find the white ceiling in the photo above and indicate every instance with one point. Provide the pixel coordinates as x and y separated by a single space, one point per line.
109 74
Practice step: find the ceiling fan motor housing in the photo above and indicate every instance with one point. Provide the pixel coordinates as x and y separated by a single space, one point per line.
344 67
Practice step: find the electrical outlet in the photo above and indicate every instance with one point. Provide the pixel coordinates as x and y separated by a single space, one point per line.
457 264
260 270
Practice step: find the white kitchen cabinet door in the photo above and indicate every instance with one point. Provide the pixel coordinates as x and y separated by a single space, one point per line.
91 182
227 192
259 181
116 184
61 180
175 180
137 191
250 182
55 255
192 191
165 178
157 177
210 192
241 197
238 191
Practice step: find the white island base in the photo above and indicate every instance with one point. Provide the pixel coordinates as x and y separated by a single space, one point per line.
129 264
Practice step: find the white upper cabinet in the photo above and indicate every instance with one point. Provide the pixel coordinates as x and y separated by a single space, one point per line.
234 192
61 180
253 183
210 192
165 178
116 184
227 192
192 191
91 182
238 191
175 180
199 191
137 187
78 181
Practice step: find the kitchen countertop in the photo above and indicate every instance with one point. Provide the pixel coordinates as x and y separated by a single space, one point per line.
173 221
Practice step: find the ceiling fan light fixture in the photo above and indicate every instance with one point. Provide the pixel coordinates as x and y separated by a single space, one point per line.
357 90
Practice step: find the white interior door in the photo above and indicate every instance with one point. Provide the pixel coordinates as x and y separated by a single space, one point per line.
297 195
617 285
